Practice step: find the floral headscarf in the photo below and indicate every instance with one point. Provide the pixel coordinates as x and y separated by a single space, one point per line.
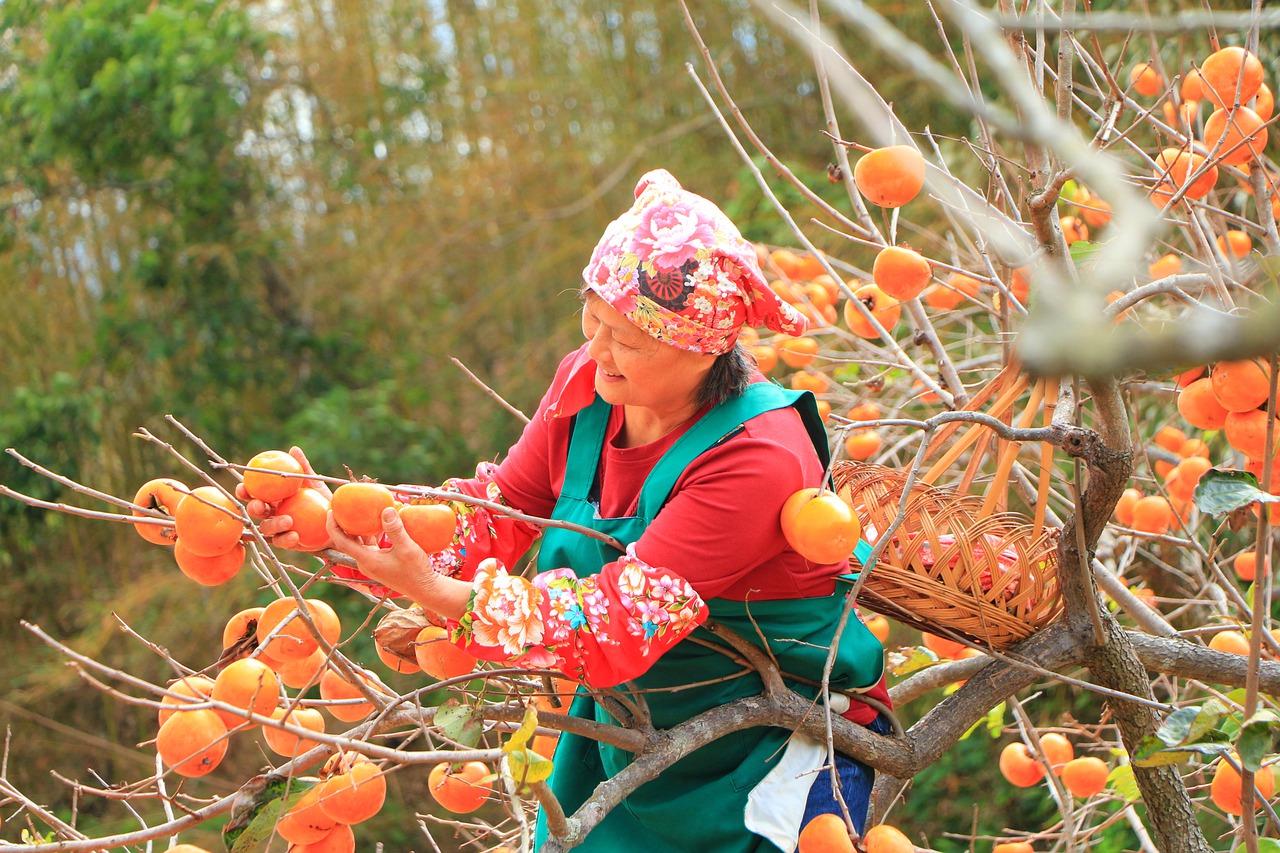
680 270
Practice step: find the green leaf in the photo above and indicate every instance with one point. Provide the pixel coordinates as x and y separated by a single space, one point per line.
1175 729
847 372
253 823
1268 845
1181 754
971 729
1122 781
1154 752
995 721
1255 738
1220 491
1206 721
1216 747
520 738
910 660
1069 191
1082 251
528 766
459 723
1191 724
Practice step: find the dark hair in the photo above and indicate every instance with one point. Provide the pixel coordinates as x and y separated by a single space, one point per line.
728 377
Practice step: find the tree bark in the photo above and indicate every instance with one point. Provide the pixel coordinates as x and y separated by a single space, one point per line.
1110 656
1169 811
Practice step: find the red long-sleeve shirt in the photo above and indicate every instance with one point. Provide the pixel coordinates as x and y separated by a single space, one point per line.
718 536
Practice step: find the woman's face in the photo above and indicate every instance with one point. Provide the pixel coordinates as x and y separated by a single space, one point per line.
634 369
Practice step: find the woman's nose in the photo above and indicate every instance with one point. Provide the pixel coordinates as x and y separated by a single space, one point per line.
596 344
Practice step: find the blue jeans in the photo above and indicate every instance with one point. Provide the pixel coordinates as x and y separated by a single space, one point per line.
855 784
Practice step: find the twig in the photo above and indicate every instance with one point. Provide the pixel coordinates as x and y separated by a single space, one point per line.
83 489
1258 618
884 333
557 823
492 393
83 513
199 442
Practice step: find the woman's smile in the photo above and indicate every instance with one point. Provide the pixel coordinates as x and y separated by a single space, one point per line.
608 376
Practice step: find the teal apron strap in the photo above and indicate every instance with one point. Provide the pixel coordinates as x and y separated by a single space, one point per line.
861 552
719 423
585 445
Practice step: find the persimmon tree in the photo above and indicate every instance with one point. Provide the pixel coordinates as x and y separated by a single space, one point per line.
1107 230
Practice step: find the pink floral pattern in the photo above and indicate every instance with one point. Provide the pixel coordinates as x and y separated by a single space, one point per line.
671 234
679 269
602 629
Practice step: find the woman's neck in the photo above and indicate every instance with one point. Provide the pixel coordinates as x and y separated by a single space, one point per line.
643 425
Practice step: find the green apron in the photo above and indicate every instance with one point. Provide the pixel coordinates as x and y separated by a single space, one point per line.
698 803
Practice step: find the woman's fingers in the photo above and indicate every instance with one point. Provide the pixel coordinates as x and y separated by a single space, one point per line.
296 453
276 525
288 540
319 485
256 508
341 541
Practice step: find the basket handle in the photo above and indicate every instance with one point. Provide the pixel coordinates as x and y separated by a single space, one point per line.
998 489
1008 373
996 493
998 408
1046 463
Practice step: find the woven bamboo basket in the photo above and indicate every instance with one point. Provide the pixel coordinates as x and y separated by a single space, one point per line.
960 562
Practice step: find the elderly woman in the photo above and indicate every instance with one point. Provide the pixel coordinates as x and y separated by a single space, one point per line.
660 432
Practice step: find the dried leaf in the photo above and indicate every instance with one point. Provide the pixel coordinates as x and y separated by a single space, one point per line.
911 659
257 808
398 631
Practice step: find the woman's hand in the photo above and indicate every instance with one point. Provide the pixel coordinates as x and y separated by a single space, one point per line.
279 528
403 566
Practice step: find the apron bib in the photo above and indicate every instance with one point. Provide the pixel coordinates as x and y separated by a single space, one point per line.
697 803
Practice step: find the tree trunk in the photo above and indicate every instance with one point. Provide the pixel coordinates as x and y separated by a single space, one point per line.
1169 811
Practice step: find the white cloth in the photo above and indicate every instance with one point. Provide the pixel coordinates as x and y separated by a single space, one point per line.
775 807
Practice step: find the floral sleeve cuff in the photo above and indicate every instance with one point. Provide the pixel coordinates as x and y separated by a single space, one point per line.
602 629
